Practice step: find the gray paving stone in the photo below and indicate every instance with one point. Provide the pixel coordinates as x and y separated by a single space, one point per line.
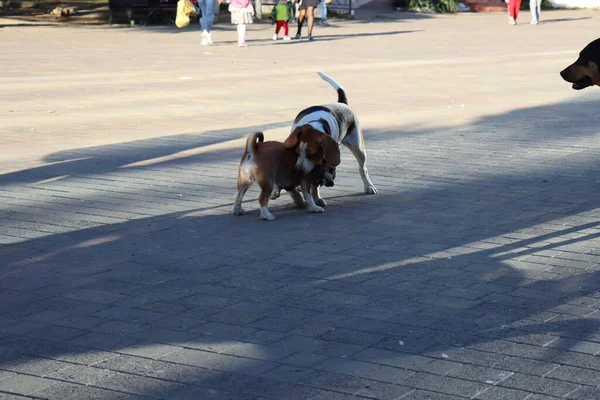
102 341
149 349
9 396
576 375
81 375
443 384
229 331
585 393
275 324
56 333
304 359
501 393
34 366
486 375
129 315
71 391
427 395
345 366
384 391
24 384
258 351
287 373
539 385
576 345
391 358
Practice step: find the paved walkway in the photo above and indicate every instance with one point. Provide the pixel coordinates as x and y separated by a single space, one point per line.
474 273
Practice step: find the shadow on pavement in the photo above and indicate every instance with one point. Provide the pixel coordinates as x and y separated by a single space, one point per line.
439 276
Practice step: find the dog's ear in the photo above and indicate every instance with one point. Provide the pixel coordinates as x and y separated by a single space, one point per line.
292 140
331 150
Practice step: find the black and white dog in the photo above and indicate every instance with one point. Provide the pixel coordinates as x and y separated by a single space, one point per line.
338 121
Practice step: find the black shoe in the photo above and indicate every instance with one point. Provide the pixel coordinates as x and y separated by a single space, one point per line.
311 39
298 36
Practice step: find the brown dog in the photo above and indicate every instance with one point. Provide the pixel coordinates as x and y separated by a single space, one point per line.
585 71
274 166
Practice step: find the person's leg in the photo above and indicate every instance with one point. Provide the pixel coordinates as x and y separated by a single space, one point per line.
301 17
241 31
323 12
534 7
517 8
278 25
310 11
211 6
511 12
286 29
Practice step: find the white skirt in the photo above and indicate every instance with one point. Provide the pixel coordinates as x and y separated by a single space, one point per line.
241 17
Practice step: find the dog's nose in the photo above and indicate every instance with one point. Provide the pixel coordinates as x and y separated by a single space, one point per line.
564 73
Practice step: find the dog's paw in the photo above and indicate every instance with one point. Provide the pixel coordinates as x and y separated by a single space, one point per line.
275 195
316 209
301 204
370 190
239 211
266 215
321 202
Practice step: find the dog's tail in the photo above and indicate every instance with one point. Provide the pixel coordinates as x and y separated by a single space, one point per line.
340 90
253 140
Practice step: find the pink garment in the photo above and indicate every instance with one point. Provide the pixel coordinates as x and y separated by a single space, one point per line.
240 3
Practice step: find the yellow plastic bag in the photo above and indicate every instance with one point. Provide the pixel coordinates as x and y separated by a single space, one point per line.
185 9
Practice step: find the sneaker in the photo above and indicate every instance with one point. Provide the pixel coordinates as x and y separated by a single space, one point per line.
298 36
325 23
275 37
512 21
534 22
209 39
204 38
286 38
242 44
311 39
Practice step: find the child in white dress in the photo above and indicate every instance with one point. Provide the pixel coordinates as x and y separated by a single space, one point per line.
242 14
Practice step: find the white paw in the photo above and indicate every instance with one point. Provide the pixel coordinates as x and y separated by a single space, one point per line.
316 209
370 190
321 202
266 214
238 211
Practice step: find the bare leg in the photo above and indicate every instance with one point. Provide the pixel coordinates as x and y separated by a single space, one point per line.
301 18
311 20
314 190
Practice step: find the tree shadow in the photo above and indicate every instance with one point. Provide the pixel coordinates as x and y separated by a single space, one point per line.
100 160
440 275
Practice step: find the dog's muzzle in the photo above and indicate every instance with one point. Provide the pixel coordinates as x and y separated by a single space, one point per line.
582 83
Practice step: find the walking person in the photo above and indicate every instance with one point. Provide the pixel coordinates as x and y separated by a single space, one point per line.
307 11
513 11
281 15
207 10
535 7
324 13
242 14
